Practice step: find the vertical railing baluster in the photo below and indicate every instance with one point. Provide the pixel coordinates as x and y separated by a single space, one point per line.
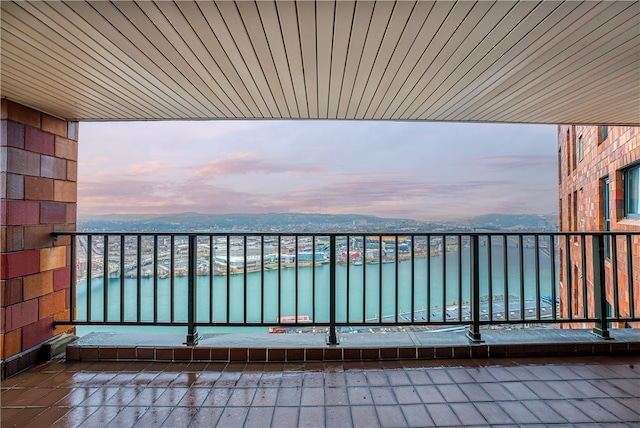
333 338
122 275
428 278
262 279
364 278
139 278
489 242
313 279
474 328
601 328
348 274
585 300
228 277
380 279
537 262
73 274
444 278
521 261
244 276
552 256
172 256
105 278
192 263
296 279
397 263
632 301
155 278
506 276
613 245
569 273
460 278
413 279
212 268
89 274
279 277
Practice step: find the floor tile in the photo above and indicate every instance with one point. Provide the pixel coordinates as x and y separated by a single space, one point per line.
416 415
285 417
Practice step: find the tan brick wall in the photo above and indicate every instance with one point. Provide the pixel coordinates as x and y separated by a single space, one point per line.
39 193
583 178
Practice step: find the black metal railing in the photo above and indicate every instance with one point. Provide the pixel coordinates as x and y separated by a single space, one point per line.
353 281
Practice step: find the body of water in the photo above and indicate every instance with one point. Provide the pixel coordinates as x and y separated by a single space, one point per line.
369 293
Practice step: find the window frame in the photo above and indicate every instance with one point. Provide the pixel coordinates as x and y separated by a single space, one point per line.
625 176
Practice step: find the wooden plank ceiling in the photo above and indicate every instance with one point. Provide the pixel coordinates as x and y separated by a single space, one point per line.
533 62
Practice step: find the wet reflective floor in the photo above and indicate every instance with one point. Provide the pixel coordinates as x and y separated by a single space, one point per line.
575 391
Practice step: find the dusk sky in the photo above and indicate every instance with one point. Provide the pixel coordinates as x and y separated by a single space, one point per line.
390 169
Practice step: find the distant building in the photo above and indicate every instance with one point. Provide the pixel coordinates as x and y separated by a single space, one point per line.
599 190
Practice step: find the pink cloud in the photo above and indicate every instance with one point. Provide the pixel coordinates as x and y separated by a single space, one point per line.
248 162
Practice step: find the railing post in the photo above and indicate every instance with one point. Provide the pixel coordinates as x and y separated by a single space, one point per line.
192 334
599 290
474 328
333 337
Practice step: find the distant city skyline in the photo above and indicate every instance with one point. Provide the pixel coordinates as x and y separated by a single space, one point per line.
387 169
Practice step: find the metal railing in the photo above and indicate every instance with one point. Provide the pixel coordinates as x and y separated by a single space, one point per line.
353 281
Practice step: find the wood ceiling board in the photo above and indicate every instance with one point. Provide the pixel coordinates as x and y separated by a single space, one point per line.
324 19
579 74
38 95
359 33
66 46
344 14
446 64
179 33
236 28
473 64
407 20
60 92
101 47
219 28
453 32
128 49
272 54
218 55
307 30
59 67
568 58
485 71
161 51
418 55
548 36
288 15
373 49
586 97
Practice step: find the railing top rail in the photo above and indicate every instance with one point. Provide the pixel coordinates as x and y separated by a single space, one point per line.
341 234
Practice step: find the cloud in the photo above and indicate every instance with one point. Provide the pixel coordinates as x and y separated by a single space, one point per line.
248 163
416 170
515 162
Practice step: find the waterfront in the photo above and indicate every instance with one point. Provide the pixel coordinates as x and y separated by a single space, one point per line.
370 294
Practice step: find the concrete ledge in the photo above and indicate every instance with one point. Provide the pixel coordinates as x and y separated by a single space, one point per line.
353 347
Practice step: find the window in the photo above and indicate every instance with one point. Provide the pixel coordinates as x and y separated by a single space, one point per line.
580 148
632 192
573 147
559 166
568 152
603 133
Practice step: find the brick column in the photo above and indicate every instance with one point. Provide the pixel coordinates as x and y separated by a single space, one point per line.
38 168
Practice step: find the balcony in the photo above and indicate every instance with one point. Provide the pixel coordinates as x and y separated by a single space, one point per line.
351 296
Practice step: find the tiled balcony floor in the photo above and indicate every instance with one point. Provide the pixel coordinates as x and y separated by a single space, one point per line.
575 391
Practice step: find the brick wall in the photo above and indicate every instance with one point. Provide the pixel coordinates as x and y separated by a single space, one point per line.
581 207
38 191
